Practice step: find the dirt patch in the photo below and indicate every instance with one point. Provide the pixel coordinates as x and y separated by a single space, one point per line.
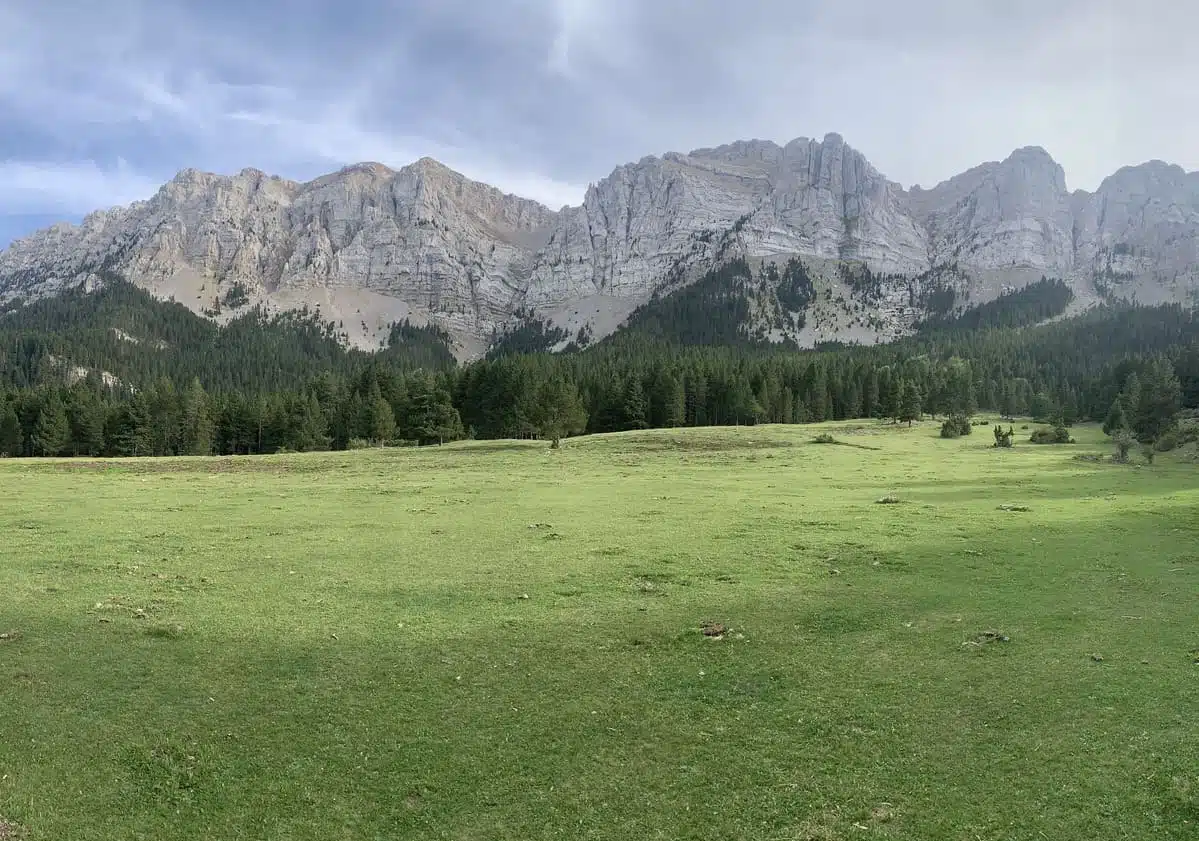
10 831
714 630
984 638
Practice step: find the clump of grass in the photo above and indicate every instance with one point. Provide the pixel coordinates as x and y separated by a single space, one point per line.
889 499
824 438
1023 509
163 631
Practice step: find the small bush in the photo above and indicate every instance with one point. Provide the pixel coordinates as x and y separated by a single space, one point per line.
1003 439
1148 451
955 427
1052 435
1123 440
889 499
1169 441
824 438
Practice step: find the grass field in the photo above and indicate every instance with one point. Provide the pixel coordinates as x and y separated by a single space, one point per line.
498 641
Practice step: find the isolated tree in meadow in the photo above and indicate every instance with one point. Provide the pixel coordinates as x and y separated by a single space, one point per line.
1116 419
910 409
10 431
52 431
559 411
1159 398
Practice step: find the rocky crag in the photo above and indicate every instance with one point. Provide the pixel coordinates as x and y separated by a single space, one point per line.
368 245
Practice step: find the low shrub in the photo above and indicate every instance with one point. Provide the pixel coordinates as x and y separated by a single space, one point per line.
1003 439
824 438
955 427
1051 435
1169 441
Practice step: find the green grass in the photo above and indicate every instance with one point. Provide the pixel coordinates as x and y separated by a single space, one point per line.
340 645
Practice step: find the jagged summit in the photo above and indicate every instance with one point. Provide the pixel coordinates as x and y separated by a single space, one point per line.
369 244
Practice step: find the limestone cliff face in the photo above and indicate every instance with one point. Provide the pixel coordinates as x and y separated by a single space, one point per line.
1000 215
427 242
425 235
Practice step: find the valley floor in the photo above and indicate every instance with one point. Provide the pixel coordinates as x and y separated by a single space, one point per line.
493 640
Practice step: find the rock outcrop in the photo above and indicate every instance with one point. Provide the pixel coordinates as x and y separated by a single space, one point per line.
370 244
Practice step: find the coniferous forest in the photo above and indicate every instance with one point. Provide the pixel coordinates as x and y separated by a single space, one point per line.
118 373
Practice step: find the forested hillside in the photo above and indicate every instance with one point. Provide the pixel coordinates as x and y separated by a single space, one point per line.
118 373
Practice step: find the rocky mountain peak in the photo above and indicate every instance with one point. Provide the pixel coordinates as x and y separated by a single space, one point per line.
372 244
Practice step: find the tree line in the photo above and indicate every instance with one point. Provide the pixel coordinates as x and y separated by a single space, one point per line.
186 386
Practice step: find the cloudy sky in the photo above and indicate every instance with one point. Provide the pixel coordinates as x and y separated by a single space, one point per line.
100 102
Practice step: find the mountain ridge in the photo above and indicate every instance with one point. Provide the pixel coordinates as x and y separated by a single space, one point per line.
371 245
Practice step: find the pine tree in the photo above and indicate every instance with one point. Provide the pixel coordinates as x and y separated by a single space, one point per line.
1131 392
52 431
380 422
432 416
1159 397
673 402
893 404
85 417
10 431
633 408
910 410
872 399
559 410
310 426
1116 419
196 432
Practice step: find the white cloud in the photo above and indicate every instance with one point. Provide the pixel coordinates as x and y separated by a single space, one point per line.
73 189
539 97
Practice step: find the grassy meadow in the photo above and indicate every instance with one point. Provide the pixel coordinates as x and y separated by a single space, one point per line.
494 640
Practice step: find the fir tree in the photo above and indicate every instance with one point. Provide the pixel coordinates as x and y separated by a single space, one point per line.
633 408
1159 397
559 410
52 431
196 434
10 431
380 422
1116 419
85 417
310 426
911 403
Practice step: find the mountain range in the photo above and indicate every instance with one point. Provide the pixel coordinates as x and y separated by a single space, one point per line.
369 246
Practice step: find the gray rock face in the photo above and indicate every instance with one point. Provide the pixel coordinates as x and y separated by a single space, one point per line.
424 241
